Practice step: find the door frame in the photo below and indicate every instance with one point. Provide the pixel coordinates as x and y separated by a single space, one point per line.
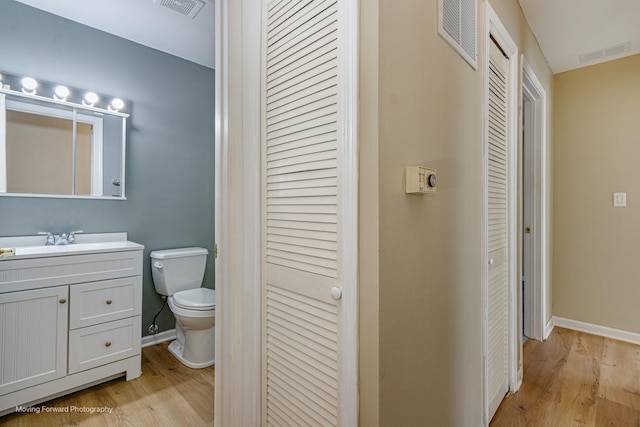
494 28
237 219
348 43
535 135
238 213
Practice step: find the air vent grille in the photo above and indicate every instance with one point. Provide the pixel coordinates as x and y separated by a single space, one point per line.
457 24
596 55
188 8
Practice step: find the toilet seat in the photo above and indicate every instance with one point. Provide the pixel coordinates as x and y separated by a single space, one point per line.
200 299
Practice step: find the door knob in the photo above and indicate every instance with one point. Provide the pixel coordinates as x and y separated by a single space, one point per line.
491 261
527 230
336 293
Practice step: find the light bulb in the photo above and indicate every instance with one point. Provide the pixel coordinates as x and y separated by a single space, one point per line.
29 85
90 98
116 105
61 93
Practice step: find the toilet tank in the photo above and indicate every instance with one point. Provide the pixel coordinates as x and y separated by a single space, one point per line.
176 270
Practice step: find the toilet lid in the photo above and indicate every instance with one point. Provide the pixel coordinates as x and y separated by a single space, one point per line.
196 299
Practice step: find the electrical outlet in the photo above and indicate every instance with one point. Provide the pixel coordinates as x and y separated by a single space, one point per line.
153 329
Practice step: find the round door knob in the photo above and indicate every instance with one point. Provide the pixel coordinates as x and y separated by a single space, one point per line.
109 302
107 344
63 301
491 261
336 293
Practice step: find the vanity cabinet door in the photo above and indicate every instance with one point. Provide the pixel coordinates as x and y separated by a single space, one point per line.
33 337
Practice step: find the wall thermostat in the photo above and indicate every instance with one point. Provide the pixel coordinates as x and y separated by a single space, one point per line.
420 180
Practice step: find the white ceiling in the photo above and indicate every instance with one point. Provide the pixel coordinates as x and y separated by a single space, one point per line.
145 22
566 29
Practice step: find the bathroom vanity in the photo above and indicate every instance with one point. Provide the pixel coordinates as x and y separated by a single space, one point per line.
70 316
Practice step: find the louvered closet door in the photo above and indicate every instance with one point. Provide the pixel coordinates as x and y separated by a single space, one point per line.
497 158
301 319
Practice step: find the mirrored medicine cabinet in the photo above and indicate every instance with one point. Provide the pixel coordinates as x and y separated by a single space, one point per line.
57 141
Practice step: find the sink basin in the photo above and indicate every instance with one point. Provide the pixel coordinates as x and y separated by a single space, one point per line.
34 246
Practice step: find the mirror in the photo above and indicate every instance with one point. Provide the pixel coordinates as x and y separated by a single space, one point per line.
54 147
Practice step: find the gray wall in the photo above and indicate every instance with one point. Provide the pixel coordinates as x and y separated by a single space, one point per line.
170 147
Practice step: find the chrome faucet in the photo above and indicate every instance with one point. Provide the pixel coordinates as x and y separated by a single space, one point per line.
62 239
51 239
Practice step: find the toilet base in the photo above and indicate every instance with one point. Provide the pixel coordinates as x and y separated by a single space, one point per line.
178 350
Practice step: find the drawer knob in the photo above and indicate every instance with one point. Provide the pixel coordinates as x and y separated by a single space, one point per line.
107 344
63 300
109 302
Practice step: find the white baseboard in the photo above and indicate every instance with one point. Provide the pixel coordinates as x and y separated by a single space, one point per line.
603 331
548 328
158 338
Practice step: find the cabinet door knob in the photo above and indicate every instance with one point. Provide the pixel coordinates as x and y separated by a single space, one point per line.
63 300
109 302
107 344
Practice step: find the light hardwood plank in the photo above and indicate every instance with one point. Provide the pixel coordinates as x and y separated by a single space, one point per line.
621 373
611 414
167 394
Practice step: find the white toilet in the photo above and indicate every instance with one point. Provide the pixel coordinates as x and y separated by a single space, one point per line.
178 274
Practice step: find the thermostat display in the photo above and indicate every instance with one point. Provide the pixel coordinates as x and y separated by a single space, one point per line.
420 180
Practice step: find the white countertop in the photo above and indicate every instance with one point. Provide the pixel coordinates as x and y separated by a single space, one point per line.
35 246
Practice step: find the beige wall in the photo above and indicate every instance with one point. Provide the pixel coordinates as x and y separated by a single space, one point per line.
421 256
33 166
39 154
596 246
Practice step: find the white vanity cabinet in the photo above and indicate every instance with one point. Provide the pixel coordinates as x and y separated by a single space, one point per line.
69 318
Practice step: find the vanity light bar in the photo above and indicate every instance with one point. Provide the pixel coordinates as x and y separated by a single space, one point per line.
32 88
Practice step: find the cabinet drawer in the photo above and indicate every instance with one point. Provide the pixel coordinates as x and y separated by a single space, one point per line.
23 274
101 344
100 302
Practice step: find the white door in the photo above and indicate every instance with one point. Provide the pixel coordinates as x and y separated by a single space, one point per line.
528 317
497 229
304 214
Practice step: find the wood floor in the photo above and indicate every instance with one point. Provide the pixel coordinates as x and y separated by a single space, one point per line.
575 379
167 394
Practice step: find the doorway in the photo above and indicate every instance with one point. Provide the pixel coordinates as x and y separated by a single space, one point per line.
534 226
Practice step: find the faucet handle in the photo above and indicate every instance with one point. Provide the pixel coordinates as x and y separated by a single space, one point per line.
51 239
72 236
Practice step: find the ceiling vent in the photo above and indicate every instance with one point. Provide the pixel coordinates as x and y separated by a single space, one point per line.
188 8
597 55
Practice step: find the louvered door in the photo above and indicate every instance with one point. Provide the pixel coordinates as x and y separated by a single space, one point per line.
497 216
302 209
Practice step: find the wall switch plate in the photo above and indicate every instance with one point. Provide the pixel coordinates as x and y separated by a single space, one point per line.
420 180
619 200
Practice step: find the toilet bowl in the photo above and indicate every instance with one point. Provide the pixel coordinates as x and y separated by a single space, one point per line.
178 274
195 327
